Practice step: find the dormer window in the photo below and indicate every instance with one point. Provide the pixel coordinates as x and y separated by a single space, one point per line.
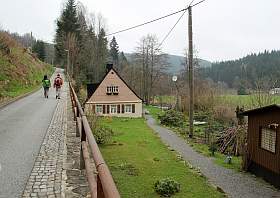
112 90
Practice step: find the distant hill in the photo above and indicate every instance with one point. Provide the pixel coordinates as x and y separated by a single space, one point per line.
20 70
177 63
247 71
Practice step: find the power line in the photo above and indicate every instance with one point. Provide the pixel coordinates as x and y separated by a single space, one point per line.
174 25
171 29
198 3
190 5
142 24
145 23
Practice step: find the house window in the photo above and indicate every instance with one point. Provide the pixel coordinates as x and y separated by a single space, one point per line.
109 90
112 90
268 139
113 109
127 108
98 109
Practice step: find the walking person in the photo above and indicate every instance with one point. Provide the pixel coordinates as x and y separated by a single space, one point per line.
46 85
58 82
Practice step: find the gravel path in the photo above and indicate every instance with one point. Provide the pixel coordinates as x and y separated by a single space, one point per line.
233 184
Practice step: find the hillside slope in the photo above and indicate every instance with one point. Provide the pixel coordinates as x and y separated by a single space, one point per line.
20 71
177 63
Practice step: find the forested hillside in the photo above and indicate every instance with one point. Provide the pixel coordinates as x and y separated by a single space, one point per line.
20 70
247 71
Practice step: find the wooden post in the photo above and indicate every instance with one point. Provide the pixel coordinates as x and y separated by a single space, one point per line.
190 60
100 193
83 138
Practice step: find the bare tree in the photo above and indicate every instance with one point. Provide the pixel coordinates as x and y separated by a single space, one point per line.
261 96
153 63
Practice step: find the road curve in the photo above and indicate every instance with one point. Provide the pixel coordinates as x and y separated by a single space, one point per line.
23 125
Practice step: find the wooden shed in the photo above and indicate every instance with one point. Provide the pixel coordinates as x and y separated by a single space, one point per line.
264 143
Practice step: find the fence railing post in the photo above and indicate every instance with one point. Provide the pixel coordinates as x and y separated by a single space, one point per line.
78 127
103 185
83 138
100 193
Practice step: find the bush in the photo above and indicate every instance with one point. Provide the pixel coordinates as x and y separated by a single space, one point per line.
201 116
172 118
224 114
102 134
213 148
167 187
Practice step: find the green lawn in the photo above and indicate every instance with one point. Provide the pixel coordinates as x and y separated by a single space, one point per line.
137 159
248 101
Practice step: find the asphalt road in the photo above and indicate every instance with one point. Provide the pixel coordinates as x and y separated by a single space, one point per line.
23 125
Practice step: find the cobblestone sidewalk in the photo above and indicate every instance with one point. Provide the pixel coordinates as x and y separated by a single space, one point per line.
46 179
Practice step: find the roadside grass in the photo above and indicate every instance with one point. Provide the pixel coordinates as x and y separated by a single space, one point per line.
137 159
197 144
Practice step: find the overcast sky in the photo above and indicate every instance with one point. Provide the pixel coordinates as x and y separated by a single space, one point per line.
223 29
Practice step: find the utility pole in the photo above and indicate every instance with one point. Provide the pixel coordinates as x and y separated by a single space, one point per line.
190 60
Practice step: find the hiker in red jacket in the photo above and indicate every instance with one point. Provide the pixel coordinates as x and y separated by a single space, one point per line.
58 82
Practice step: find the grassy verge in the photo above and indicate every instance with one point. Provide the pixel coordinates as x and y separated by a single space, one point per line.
137 159
218 158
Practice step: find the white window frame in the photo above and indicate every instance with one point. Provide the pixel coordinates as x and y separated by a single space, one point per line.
99 109
127 108
112 89
109 89
113 109
268 139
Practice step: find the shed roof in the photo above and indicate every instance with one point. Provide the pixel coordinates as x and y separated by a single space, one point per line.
262 109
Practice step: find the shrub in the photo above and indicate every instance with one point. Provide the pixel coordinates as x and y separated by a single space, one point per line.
172 118
167 187
212 148
224 114
102 134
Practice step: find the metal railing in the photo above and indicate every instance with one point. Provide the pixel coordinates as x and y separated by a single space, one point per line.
102 185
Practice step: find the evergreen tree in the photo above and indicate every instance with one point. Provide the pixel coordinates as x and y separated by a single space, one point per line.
122 61
102 54
114 53
248 70
39 49
66 24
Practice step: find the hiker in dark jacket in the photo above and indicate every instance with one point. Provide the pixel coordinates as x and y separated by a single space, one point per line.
57 84
46 85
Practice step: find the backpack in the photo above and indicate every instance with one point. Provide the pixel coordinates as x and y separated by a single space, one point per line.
58 82
46 83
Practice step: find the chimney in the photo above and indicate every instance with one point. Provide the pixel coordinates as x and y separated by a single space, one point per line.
109 66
